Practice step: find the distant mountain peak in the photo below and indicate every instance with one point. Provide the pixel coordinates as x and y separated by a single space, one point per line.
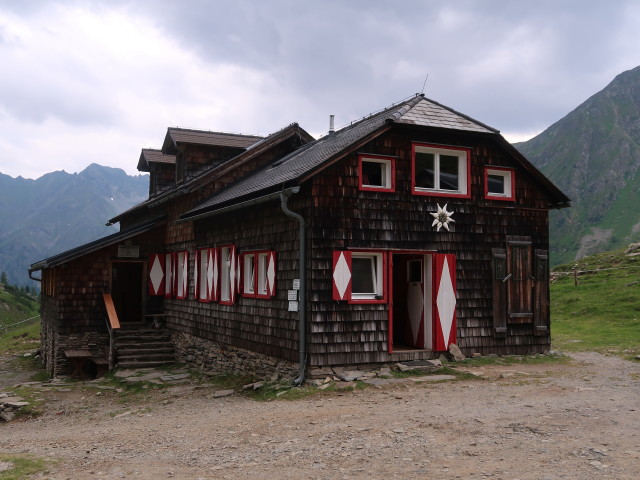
593 155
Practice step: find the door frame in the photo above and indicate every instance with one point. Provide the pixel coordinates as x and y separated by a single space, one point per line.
427 290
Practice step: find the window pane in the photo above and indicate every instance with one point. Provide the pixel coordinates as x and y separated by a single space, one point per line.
425 163
373 174
449 175
363 275
496 184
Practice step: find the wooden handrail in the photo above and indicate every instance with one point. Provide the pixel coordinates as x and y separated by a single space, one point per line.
114 322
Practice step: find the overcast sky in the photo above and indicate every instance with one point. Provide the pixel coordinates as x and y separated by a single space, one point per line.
88 81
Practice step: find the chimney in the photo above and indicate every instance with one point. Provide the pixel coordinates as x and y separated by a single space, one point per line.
331 130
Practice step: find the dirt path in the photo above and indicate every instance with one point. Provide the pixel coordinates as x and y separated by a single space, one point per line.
538 422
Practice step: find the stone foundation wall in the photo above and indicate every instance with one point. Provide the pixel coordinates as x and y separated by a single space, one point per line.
54 346
214 357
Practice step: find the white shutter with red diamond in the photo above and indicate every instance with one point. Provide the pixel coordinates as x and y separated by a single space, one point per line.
341 278
168 274
233 274
271 274
444 305
156 274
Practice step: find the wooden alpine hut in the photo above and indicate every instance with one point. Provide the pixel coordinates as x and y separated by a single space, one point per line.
383 241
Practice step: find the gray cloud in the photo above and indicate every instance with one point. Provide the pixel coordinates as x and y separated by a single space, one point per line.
254 66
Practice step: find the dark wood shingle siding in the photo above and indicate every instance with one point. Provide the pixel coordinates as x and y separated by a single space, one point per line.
262 325
343 217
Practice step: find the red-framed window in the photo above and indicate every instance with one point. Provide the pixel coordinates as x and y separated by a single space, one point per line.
205 275
441 171
181 274
258 274
229 274
376 173
360 276
499 183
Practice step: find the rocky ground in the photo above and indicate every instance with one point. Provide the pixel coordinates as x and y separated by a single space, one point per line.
576 420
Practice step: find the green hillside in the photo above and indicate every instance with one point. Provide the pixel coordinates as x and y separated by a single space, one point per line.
593 155
602 312
18 304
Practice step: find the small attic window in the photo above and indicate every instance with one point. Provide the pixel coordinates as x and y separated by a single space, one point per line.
376 173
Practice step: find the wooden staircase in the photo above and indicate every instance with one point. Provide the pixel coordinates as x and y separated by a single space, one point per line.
138 346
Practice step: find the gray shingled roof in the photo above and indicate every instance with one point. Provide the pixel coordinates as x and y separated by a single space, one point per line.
418 110
428 113
176 136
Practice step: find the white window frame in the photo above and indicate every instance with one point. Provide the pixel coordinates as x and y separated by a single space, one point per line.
387 166
508 176
249 274
226 267
463 171
262 273
377 276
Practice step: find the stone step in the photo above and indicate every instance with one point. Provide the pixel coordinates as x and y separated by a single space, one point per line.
142 339
147 348
143 357
144 363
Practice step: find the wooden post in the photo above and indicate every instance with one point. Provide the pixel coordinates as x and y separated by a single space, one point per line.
575 275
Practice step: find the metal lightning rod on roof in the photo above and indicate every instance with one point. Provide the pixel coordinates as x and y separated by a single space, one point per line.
425 83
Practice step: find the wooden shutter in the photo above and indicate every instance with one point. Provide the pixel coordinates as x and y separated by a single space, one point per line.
271 274
341 278
444 301
213 275
156 274
541 293
500 277
169 259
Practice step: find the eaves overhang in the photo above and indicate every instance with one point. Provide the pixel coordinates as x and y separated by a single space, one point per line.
91 247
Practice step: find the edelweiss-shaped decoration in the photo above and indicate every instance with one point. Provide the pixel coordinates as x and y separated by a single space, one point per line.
442 217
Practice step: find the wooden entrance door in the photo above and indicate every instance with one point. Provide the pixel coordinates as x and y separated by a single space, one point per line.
127 290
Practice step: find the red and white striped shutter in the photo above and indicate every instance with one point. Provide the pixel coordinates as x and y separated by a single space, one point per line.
444 301
271 274
213 274
168 274
196 274
341 275
156 274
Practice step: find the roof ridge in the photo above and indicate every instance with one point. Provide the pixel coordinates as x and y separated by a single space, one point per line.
196 130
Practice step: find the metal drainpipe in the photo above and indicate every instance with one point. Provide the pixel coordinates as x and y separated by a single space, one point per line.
302 265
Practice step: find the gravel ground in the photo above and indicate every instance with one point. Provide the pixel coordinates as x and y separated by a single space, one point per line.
541 422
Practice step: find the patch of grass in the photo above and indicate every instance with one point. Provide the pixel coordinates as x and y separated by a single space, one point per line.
22 466
34 408
602 313
20 340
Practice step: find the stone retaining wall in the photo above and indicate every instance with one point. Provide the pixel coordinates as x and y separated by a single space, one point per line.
212 357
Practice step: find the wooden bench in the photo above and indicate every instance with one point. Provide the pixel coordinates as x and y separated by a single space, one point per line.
83 364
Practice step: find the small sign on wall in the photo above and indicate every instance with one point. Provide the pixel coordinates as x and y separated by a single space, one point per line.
292 295
296 284
129 251
293 306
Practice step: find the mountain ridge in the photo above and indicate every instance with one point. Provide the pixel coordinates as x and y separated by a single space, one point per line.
593 155
59 211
